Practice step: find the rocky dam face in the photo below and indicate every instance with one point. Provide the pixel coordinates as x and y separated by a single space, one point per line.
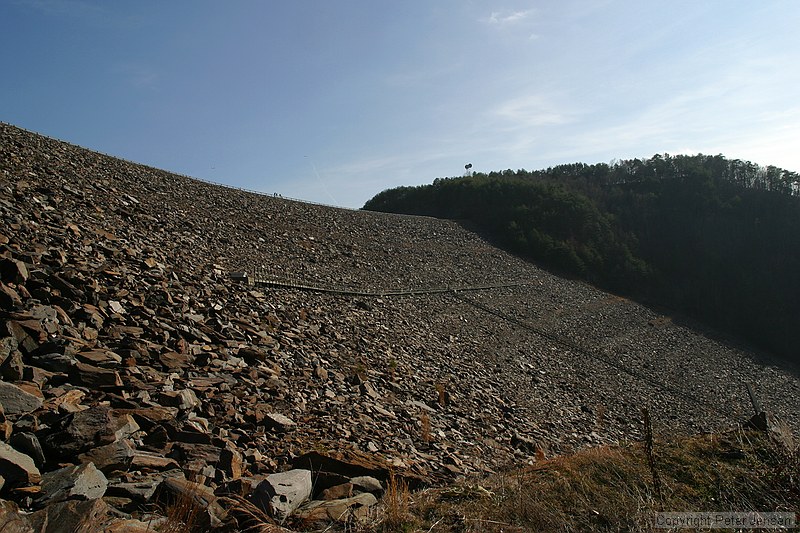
135 361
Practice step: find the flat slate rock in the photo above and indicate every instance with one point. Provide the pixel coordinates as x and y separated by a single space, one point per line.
279 422
144 487
16 401
16 467
69 516
345 510
113 457
82 482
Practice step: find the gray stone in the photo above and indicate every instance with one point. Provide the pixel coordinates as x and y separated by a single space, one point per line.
16 401
143 489
13 368
338 492
82 482
347 510
28 443
279 422
24 336
185 399
16 467
367 484
280 494
116 456
54 362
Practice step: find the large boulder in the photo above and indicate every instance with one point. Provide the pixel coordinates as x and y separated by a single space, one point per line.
281 494
79 432
71 516
82 482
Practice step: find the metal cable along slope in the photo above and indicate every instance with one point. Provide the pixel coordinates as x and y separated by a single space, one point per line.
597 357
456 292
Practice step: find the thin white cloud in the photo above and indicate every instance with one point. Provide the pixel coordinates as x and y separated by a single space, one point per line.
712 118
368 165
357 180
508 17
416 156
770 140
530 111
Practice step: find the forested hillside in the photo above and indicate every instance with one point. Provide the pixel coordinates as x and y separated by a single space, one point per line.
711 238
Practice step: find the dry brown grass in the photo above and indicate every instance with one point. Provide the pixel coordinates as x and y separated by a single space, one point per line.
425 427
182 514
442 396
248 517
600 416
187 509
611 488
396 504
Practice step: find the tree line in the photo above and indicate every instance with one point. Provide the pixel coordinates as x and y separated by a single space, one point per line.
714 239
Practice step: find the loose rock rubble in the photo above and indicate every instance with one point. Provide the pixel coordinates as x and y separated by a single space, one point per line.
137 372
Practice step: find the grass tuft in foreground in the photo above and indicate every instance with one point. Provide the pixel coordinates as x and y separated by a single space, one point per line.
610 488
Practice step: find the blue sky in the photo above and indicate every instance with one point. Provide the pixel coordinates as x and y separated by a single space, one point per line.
334 101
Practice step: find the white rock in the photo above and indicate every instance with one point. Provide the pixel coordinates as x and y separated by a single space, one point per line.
281 494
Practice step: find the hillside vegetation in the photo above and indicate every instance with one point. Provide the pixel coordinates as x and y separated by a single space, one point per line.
712 238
